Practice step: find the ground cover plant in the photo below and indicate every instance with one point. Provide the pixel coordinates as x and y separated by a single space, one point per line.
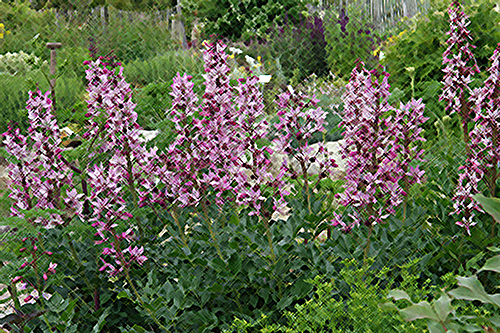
120 235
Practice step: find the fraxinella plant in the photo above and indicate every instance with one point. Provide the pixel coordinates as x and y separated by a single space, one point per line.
299 119
40 177
376 148
460 67
215 151
405 126
483 157
131 165
206 142
253 122
485 135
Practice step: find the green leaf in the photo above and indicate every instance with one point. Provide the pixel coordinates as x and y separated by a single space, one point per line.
399 294
388 306
284 302
234 263
494 249
234 219
71 328
495 320
443 307
218 264
68 313
57 303
138 329
102 320
490 205
492 264
419 311
435 327
472 290
123 294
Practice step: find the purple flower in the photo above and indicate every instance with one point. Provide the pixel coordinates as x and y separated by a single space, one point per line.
215 152
458 74
39 173
378 148
483 155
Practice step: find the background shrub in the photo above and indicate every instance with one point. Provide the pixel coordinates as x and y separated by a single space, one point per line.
243 19
350 35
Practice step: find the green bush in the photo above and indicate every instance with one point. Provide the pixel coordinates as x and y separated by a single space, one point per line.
350 35
248 19
349 303
163 68
30 30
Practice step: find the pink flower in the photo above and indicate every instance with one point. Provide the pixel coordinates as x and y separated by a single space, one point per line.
17 279
377 148
458 74
136 254
39 172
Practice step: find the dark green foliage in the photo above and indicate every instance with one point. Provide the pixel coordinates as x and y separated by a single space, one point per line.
163 68
350 36
235 19
347 303
300 47
216 269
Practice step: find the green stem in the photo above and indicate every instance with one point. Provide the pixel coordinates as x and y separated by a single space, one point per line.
368 243
132 189
129 280
212 234
183 236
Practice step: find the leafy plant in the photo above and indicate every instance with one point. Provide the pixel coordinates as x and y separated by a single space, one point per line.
299 47
441 315
348 303
243 19
352 31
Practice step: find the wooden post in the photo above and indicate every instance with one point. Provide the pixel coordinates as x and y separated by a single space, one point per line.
53 68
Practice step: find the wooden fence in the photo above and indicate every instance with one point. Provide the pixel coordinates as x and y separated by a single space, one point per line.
102 15
383 13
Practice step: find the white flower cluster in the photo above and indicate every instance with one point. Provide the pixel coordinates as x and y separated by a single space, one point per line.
18 63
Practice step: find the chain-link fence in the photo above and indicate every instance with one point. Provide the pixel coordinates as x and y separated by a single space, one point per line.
163 203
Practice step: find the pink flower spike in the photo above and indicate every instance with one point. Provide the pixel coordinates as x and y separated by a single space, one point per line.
16 279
